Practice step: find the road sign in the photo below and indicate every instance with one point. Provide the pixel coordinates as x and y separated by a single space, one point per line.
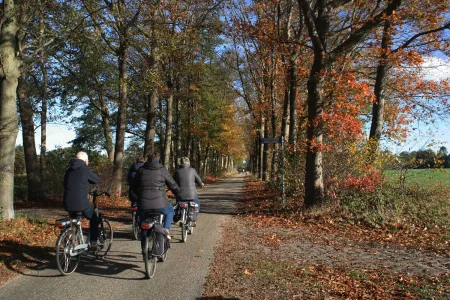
275 140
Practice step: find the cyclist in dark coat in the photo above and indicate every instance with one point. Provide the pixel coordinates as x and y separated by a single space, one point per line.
77 179
149 184
186 178
131 174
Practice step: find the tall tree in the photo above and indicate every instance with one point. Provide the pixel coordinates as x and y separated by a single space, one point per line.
9 74
318 18
123 19
417 35
27 41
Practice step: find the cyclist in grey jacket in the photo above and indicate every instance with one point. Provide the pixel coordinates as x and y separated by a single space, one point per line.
186 178
149 184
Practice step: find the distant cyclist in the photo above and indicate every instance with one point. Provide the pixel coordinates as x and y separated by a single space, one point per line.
77 179
186 178
149 184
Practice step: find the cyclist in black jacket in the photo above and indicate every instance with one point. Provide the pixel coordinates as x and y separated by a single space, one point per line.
149 184
77 179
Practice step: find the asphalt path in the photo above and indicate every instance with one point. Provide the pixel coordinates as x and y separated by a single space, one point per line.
121 275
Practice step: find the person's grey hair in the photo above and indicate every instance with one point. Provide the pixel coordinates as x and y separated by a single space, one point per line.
82 155
185 161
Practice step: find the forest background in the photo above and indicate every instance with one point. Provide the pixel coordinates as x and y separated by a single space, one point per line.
338 80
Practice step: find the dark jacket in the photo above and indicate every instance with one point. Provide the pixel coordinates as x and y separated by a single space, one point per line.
186 177
131 174
149 184
76 185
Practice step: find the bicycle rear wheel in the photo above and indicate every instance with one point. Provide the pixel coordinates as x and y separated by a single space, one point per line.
184 230
163 258
64 245
136 227
149 259
105 238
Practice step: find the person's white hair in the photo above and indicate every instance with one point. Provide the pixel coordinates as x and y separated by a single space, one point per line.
82 155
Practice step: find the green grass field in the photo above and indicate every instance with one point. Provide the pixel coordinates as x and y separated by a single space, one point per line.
421 176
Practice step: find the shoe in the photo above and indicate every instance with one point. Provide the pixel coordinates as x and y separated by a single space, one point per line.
194 224
167 233
93 246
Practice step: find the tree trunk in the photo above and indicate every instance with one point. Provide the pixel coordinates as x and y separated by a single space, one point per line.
274 128
199 157
189 134
314 190
179 132
205 162
265 155
261 148
162 129
376 127
152 105
293 99
44 92
9 74
169 119
255 160
121 119
152 101
285 118
194 153
106 126
44 121
29 144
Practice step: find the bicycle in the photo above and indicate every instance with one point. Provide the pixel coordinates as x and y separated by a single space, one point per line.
136 226
71 243
156 243
187 211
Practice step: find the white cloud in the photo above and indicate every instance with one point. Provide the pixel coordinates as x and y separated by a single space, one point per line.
436 68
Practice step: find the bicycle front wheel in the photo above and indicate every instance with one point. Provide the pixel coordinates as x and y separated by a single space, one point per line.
105 238
64 247
149 259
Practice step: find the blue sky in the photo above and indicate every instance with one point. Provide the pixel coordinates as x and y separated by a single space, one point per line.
58 135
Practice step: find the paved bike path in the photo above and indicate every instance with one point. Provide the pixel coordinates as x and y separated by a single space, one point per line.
121 275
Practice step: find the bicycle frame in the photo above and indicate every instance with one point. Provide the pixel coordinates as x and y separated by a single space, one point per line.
77 229
83 246
185 206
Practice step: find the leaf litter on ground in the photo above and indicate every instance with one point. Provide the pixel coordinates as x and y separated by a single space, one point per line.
274 252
